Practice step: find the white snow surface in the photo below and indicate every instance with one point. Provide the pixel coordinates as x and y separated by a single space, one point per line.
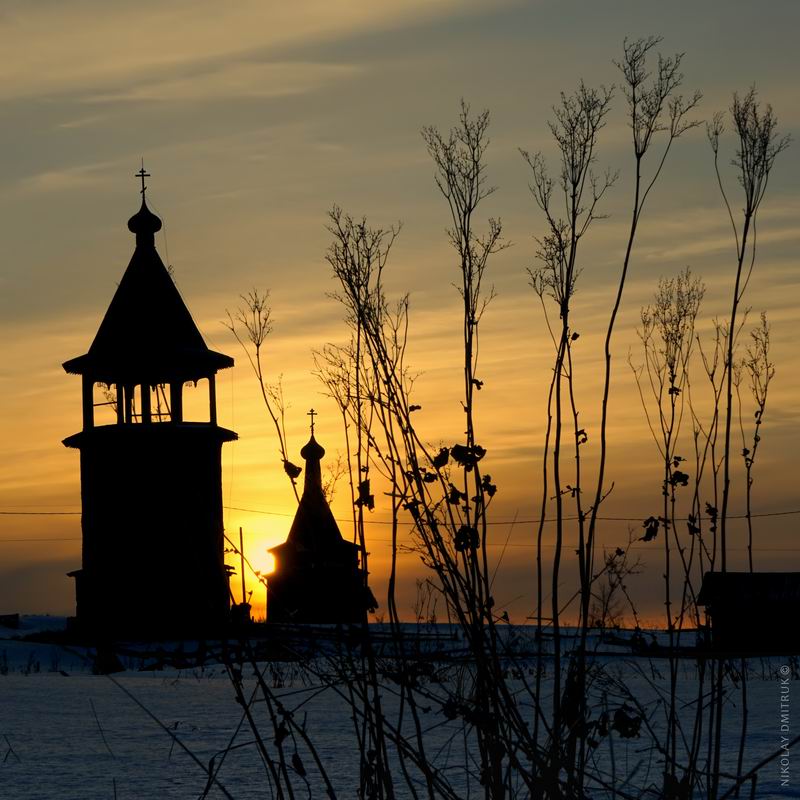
66 733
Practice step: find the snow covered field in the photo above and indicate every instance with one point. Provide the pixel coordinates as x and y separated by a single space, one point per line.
65 733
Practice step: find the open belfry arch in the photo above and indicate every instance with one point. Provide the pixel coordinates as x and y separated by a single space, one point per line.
151 479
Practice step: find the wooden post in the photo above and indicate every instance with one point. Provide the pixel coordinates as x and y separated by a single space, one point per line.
241 554
176 400
128 395
120 404
88 402
212 399
146 413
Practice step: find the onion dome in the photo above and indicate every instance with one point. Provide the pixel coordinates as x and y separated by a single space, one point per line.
312 450
145 224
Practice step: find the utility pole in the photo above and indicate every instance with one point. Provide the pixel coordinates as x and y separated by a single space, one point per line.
241 554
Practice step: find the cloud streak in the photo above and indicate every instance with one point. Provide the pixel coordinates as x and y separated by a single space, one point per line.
90 46
83 177
230 81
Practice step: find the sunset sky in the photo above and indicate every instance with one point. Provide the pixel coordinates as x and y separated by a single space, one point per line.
253 119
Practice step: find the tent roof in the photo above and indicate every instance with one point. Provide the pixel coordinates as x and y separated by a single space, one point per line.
147 334
314 527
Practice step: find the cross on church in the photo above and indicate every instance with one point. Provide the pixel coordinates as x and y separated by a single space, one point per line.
142 174
312 414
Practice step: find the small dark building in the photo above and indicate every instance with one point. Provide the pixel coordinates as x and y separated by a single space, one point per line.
151 480
752 612
317 577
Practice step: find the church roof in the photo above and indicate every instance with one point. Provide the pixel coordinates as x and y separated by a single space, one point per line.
147 334
314 527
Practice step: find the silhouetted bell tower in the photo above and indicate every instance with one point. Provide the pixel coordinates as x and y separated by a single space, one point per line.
151 479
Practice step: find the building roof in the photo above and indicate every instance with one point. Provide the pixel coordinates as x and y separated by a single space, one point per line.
314 527
147 334
734 589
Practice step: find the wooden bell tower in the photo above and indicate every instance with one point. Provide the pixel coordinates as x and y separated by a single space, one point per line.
151 480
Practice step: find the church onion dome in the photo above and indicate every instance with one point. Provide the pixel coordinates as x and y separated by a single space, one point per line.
312 450
145 224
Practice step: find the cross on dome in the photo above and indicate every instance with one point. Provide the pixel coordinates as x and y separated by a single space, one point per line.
142 174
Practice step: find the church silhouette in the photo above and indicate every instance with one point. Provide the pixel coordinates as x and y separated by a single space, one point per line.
317 576
151 480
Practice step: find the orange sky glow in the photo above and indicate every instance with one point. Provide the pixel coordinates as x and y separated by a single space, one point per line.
254 119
